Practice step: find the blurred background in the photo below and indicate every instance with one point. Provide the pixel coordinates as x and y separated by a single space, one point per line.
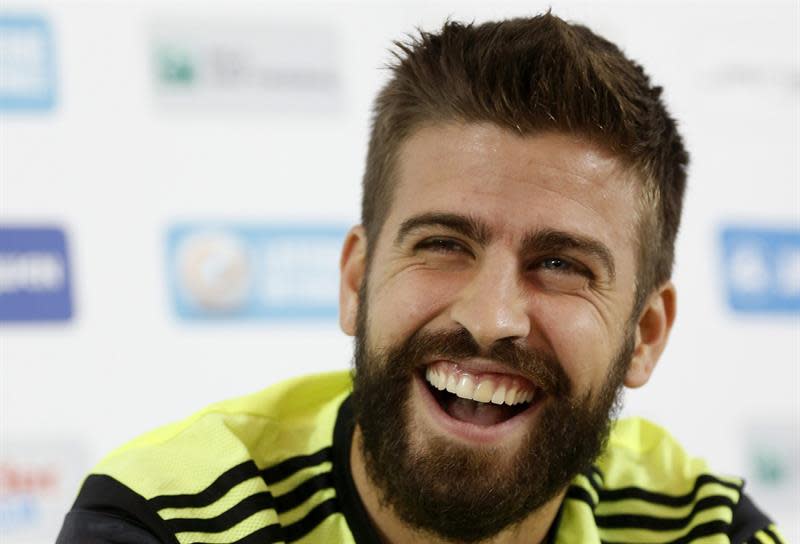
176 179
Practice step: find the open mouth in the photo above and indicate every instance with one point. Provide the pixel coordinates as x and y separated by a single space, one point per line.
483 399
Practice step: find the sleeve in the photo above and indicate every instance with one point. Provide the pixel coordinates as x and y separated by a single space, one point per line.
751 526
87 527
108 512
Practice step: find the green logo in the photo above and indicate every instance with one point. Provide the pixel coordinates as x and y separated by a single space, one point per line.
769 468
175 66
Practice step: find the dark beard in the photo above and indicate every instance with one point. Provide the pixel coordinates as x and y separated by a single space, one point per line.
462 493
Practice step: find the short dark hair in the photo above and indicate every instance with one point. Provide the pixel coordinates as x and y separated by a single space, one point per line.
532 75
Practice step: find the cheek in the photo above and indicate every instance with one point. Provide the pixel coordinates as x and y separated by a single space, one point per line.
408 302
580 340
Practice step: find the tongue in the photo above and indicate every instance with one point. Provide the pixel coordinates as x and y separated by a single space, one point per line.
479 413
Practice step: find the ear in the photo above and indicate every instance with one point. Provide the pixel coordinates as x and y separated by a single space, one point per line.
652 331
352 267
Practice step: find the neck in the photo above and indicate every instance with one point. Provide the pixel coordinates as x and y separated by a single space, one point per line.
393 530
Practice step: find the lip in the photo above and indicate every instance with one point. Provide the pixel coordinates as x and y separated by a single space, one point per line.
483 366
467 432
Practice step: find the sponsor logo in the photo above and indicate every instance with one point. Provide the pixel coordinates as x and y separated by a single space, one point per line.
748 77
27 73
209 65
260 272
762 269
772 470
20 487
38 481
214 270
34 275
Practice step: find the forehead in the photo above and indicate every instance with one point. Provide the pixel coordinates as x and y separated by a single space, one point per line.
547 180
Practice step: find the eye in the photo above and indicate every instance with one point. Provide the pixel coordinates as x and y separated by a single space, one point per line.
557 265
559 274
442 245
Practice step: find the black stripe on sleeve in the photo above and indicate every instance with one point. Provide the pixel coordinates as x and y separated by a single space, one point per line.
596 472
609 495
265 535
301 493
102 493
218 488
251 505
579 493
652 523
704 529
317 515
284 469
238 474
243 510
772 535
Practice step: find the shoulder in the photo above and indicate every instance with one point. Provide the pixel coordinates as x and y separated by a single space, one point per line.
646 488
263 426
224 463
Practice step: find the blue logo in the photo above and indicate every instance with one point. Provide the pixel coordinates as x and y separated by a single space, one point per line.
34 275
18 512
254 272
27 71
762 269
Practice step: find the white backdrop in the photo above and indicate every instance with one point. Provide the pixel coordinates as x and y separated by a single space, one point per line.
119 160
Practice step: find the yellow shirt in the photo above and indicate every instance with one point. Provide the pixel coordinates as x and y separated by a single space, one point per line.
274 467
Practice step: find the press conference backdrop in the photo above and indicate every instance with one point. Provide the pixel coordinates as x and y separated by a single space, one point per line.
176 180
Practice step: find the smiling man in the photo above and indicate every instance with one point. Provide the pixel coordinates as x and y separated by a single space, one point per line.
510 277
494 328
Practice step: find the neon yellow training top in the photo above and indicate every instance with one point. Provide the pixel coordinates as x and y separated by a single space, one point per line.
274 467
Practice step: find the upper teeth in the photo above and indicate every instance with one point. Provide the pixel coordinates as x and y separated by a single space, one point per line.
493 388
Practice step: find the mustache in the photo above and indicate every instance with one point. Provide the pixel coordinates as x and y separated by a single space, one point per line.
542 369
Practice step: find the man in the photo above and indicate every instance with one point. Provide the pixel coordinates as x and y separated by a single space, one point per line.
511 274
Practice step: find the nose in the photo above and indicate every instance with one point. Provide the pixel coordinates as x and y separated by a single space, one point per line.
492 306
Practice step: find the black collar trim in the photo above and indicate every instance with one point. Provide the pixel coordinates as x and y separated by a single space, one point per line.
349 500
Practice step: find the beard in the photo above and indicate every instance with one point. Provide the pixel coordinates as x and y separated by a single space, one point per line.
462 493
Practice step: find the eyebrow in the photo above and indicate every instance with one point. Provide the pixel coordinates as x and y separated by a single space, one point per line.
466 226
538 241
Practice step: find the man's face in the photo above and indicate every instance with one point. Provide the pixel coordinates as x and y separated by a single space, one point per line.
493 332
